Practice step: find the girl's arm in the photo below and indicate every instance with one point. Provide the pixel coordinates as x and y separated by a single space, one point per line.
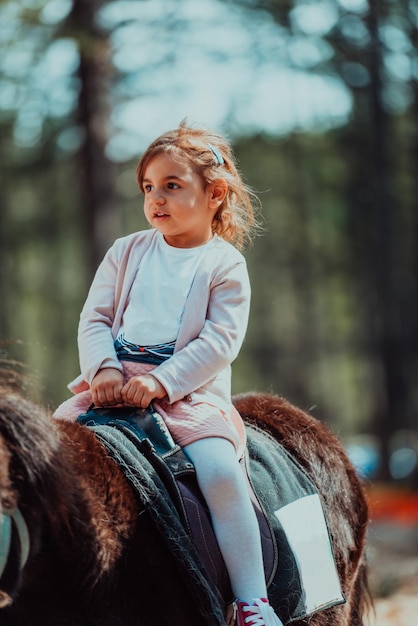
95 339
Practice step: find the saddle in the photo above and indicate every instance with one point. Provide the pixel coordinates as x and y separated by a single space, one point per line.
166 485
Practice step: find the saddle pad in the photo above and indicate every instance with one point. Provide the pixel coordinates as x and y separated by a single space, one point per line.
179 477
306 579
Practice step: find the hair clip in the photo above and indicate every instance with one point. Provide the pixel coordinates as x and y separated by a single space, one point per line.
218 155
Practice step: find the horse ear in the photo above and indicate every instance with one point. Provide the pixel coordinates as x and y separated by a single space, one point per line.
26 426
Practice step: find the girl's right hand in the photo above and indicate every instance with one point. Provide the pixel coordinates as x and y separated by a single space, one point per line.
106 387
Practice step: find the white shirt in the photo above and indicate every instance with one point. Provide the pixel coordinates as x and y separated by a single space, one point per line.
156 301
212 328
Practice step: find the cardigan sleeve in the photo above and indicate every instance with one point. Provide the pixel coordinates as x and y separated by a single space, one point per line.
95 339
103 309
219 340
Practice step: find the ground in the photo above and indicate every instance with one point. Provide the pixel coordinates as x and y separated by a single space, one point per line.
392 550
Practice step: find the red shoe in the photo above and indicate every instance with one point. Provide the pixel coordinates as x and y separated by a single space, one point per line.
259 613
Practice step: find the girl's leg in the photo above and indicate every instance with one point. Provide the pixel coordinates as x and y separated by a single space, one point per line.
234 521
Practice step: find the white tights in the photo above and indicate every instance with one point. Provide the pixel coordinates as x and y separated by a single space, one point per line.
223 485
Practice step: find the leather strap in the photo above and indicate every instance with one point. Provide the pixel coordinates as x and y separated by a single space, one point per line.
13 519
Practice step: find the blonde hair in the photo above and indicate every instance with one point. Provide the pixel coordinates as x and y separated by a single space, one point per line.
211 157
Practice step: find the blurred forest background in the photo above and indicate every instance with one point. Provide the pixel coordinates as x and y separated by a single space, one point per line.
320 99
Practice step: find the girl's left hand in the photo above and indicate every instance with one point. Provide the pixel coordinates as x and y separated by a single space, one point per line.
141 390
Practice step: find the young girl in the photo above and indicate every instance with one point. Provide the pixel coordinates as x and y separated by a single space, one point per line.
164 318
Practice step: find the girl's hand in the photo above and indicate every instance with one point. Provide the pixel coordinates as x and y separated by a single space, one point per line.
141 390
106 387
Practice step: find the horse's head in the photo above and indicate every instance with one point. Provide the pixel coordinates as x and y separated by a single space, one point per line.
28 447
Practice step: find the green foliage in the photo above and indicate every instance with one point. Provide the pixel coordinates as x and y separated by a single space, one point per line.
305 318
334 272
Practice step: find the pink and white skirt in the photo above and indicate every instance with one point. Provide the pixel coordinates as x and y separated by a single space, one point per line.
186 422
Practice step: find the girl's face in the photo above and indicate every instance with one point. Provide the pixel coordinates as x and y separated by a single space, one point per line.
177 204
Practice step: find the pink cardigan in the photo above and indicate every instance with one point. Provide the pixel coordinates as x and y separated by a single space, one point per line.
211 333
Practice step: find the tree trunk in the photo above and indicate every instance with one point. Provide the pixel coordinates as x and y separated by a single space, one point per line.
386 271
96 176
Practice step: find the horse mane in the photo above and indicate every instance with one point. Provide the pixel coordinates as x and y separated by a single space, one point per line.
48 469
34 470
29 433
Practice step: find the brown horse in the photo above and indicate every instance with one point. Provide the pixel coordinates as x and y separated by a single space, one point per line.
96 560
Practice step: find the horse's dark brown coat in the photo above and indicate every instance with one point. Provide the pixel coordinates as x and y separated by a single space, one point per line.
95 562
